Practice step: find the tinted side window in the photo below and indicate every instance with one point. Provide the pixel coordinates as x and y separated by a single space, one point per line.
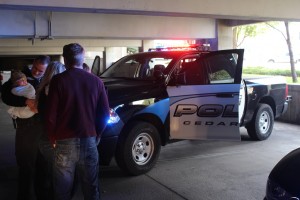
189 72
194 73
208 69
221 68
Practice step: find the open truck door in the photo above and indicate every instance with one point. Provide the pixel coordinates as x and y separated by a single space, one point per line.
96 68
204 101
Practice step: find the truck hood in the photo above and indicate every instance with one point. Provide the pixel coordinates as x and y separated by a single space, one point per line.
123 90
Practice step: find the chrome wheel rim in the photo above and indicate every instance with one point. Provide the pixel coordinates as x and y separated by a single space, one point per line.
142 149
264 122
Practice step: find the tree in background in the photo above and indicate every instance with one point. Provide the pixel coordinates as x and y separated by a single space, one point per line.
240 33
287 38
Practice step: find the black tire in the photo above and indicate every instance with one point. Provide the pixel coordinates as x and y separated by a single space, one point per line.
138 148
261 125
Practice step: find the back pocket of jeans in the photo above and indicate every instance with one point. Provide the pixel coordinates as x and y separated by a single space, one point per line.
64 156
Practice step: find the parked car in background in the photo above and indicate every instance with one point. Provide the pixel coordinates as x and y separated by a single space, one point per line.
284 179
283 58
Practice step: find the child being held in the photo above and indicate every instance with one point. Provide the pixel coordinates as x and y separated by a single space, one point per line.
21 88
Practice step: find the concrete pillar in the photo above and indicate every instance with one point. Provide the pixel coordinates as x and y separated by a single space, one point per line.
225 35
113 54
147 44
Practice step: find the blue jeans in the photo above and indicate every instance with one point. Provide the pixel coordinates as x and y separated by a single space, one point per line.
80 154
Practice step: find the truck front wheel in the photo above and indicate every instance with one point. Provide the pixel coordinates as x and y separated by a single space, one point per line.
138 148
261 125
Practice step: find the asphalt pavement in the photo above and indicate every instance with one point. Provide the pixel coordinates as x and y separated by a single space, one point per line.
193 170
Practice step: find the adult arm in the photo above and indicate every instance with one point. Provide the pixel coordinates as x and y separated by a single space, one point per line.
102 111
52 109
10 99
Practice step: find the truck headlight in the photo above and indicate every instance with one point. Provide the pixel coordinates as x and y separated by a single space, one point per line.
275 191
113 117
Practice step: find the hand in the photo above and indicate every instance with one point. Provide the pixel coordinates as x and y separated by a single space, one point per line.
34 110
30 103
53 143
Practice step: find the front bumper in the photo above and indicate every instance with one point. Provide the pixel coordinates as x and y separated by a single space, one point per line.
108 143
107 149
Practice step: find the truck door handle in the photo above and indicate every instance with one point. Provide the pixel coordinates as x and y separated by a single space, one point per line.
225 95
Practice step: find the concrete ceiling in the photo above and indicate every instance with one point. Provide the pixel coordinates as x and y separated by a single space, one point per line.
217 9
29 27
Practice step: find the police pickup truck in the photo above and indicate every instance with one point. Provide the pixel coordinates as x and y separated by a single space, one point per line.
164 95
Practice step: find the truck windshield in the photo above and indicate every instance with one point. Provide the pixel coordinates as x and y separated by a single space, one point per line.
137 67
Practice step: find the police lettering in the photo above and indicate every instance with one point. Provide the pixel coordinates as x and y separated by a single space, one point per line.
206 110
210 123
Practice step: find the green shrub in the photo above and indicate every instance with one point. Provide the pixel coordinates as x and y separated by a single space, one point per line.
268 71
220 75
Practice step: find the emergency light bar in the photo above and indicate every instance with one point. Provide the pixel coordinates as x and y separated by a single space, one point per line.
193 47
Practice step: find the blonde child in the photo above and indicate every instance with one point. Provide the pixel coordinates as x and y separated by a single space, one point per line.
21 88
